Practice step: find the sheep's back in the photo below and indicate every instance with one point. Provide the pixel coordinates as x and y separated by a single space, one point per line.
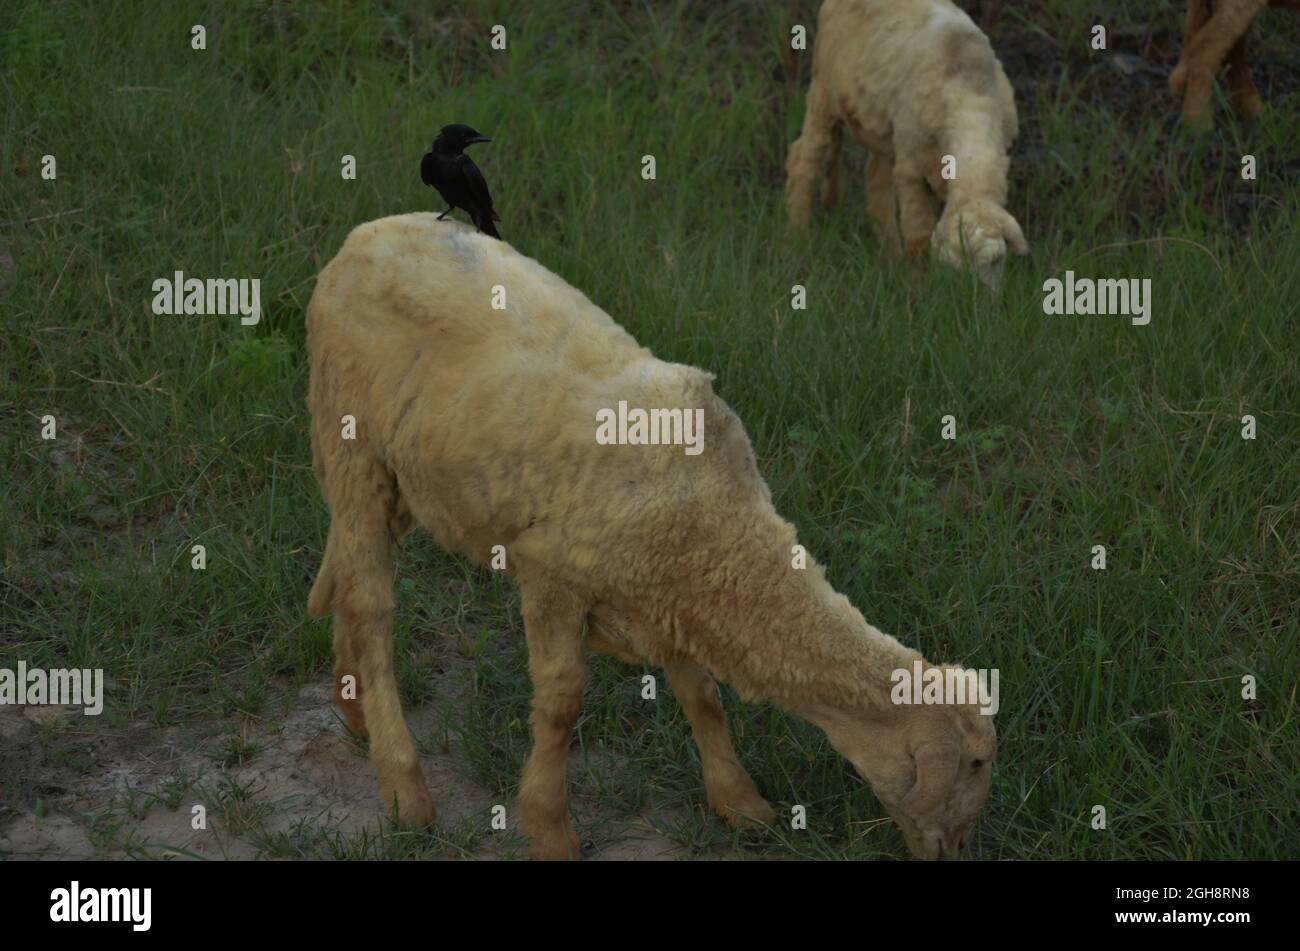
489 417
890 66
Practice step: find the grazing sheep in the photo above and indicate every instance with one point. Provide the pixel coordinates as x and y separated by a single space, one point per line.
1207 39
912 81
481 425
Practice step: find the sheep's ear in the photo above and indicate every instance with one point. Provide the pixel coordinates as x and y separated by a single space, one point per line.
936 771
1015 237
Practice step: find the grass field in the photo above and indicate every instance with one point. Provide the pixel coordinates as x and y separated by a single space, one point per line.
1120 688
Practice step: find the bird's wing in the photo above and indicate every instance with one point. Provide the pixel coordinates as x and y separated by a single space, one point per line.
477 185
426 168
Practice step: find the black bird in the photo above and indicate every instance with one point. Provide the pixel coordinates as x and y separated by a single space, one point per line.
457 178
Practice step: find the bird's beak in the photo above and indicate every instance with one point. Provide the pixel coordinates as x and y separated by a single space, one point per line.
477 139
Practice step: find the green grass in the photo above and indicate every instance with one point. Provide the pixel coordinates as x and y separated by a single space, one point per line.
1119 688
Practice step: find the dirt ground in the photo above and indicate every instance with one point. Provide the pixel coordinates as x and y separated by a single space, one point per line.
86 787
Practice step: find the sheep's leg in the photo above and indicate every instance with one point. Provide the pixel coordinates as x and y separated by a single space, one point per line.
1198 11
347 659
807 159
831 190
356 582
347 681
882 204
1241 88
553 625
365 615
1206 50
732 793
915 213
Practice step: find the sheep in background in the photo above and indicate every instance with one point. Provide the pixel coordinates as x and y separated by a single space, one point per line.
480 424
1207 40
912 81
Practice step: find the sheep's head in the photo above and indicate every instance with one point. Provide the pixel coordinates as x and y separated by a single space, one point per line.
929 766
975 235
951 748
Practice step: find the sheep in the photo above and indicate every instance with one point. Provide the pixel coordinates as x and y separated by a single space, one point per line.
912 81
1207 40
481 424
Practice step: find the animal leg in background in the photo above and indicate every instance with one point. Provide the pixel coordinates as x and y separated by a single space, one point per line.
1241 88
831 190
916 214
807 159
882 203
1204 52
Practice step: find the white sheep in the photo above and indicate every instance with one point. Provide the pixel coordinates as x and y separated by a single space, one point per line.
481 424
918 85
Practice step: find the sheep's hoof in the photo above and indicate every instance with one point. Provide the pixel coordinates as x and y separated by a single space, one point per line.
1197 118
891 248
917 260
1248 106
743 808
415 809
797 212
560 845
1198 106
757 816
1178 79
